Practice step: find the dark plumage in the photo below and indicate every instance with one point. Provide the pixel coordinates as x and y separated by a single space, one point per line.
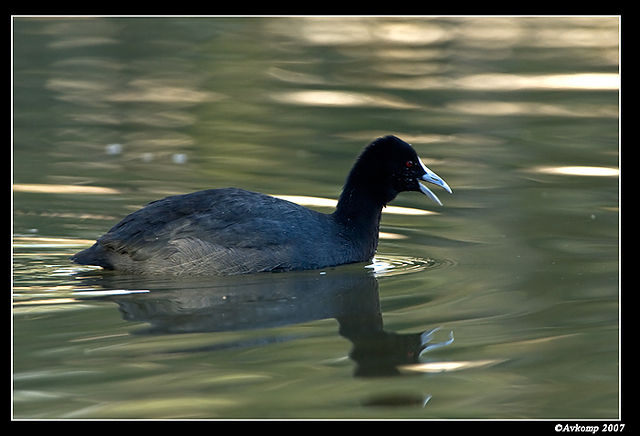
233 231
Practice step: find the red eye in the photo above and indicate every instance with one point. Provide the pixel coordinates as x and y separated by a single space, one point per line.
409 164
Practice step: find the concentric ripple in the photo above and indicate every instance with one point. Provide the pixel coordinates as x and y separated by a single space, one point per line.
389 265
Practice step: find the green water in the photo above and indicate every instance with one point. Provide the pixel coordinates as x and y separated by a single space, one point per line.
520 265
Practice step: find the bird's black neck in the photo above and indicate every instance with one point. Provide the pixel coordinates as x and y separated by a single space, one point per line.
367 190
358 213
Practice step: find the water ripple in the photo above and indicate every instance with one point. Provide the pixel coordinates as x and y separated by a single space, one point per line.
389 265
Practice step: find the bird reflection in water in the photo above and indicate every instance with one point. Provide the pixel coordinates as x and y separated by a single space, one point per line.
259 301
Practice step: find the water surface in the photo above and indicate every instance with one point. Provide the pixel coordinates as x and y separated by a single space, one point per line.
520 266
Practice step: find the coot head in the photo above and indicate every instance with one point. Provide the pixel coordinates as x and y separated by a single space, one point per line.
389 166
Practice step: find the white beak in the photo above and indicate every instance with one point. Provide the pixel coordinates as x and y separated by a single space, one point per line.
431 177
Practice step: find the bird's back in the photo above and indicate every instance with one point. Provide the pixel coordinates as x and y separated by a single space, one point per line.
219 231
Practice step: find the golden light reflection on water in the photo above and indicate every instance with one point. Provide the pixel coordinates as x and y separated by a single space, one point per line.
156 91
484 32
436 367
40 242
340 98
508 82
579 171
63 189
359 30
475 82
525 108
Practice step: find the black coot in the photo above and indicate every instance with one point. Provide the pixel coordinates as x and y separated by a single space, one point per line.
232 231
